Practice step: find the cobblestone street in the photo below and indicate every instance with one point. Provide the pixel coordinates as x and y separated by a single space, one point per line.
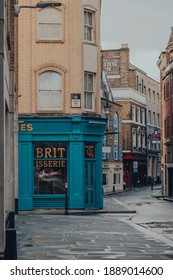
105 235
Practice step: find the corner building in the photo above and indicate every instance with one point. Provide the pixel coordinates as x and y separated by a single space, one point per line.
60 124
165 64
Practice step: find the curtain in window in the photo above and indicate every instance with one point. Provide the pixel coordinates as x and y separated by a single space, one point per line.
49 24
49 91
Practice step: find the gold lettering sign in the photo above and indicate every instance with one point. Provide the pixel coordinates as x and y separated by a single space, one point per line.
52 152
25 127
50 163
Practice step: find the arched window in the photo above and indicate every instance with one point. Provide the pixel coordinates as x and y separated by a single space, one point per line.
50 24
50 91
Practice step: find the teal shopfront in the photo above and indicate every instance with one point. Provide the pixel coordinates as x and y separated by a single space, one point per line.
54 152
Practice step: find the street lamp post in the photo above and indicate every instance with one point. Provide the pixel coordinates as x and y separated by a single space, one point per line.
40 5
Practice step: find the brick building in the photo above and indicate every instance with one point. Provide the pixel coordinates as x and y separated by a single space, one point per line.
112 141
60 122
131 88
8 134
165 64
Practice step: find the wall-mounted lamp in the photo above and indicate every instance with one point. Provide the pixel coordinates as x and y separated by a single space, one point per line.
40 5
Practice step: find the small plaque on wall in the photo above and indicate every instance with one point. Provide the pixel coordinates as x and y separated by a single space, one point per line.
75 100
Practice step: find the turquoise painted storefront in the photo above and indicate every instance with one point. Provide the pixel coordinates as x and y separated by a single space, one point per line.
54 151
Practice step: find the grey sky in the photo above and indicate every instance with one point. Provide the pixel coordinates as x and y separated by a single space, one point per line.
144 25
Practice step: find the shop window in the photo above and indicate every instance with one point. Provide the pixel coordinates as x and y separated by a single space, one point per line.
88 91
88 26
50 91
50 168
50 24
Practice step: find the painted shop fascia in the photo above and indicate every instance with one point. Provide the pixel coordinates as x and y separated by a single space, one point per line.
54 151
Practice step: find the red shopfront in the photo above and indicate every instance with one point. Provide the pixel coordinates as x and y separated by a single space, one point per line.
135 169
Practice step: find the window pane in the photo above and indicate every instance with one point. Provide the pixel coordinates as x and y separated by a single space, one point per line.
49 91
50 81
49 100
49 16
88 100
90 19
88 88
88 25
49 24
90 82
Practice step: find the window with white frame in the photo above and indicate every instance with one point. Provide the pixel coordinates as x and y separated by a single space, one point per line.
50 24
143 140
88 25
138 115
139 137
88 91
133 113
134 138
143 116
50 91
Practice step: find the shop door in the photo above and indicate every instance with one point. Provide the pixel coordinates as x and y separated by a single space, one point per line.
90 181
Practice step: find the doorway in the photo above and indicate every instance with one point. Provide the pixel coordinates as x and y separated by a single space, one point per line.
170 181
90 184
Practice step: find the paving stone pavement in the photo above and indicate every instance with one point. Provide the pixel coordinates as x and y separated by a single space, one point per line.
45 235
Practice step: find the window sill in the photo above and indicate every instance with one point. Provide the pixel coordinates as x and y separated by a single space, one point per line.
50 111
92 43
50 41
